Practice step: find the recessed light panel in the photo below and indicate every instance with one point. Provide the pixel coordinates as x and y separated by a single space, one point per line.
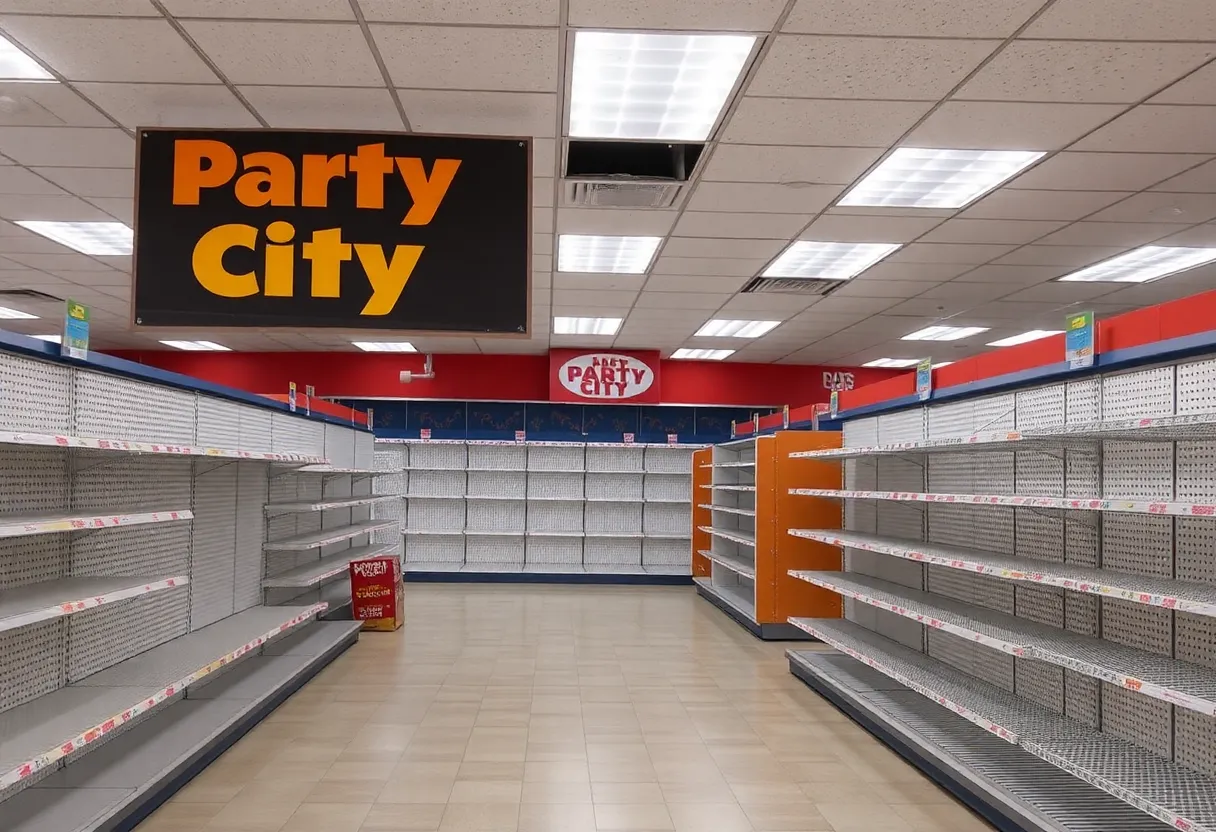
1025 337
15 65
917 177
892 363
384 346
828 261
98 238
196 346
944 333
15 314
651 86
1144 264
586 326
703 355
605 255
718 328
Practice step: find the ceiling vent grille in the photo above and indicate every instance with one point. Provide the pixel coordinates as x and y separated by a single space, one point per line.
792 286
609 193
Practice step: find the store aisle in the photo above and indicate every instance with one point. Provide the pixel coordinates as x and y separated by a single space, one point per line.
559 709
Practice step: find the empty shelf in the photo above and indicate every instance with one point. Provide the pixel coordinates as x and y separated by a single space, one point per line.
136 447
734 597
1029 501
1170 680
1162 789
450 532
40 733
439 497
734 563
730 487
313 540
733 535
322 570
619 471
1157 592
30 604
745 464
326 505
336 471
18 525
743 512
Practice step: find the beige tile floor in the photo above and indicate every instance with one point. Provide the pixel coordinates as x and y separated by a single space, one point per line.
559 709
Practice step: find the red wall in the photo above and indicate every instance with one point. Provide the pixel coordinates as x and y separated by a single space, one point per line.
488 377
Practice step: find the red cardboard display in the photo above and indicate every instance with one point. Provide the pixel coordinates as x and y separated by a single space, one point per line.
377 593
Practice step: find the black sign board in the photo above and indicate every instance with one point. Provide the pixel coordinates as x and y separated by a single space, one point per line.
302 229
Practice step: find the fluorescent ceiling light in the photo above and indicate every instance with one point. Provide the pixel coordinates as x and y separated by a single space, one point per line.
605 255
586 326
704 355
941 364
736 329
85 237
384 346
196 346
1144 264
828 261
944 333
892 363
54 339
1025 337
16 314
916 177
652 86
15 65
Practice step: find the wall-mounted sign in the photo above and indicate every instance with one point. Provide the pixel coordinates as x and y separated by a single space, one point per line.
576 376
286 228
837 380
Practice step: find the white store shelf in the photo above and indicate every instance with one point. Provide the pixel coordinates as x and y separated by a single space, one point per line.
18 525
332 470
449 497
741 602
1082 504
322 570
443 532
42 732
130 447
734 563
687 502
742 464
1183 596
327 504
1175 795
751 488
1160 429
314 540
733 535
32 603
1180 683
743 512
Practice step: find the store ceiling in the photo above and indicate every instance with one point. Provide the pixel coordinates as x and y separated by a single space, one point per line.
1120 96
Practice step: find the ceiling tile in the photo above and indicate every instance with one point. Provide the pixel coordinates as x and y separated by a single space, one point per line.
1161 207
91 8
544 156
1125 234
285 9
800 121
481 113
991 231
874 287
1062 293
680 300
1012 277
805 66
614 221
593 298
858 229
59 262
932 309
761 198
1008 126
1026 314
291 54
974 293
121 209
951 253
321 107
1072 256
713 284
1197 88
46 105
867 304
1012 204
620 282
169 105
704 15
719 247
1125 20
109 48
1200 235
469 58
1200 180
1092 73
720 266
816 165
16 180
542 192
930 273
773 307
542 220
87 182
68 146
1156 129
1077 171
494 12
758 226
914 18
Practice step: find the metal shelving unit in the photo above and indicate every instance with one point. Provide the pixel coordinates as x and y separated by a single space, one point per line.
1041 562
19 525
32 603
543 507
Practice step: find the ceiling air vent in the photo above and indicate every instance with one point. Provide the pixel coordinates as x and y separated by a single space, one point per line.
792 286
612 174
622 193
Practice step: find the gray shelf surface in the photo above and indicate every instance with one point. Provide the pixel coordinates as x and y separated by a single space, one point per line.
329 504
733 598
734 535
310 574
1028 791
734 563
32 598
15 525
1174 681
312 540
47 722
742 512
96 790
1154 785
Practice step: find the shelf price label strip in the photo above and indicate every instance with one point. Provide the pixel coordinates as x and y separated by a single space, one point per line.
1161 507
60 441
24 619
106 521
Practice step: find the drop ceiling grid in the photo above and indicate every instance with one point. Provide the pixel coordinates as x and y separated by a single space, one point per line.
1125 123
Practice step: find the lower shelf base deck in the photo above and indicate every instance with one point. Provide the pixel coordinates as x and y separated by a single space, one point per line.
765 632
1010 788
546 574
117 786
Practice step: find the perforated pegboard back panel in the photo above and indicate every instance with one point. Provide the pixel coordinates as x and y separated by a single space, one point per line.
860 432
104 636
657 552
427 456
623 458
567 551
1139 394
339 445
35 662
496 515
494 549
365 449
499 457
256 429
250 532
664 487
423 549
219 424
213 566
1039 407
555 486
122 408
35 396
297 435
556 458
613 486
435 515
612 551
668 460
904 426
